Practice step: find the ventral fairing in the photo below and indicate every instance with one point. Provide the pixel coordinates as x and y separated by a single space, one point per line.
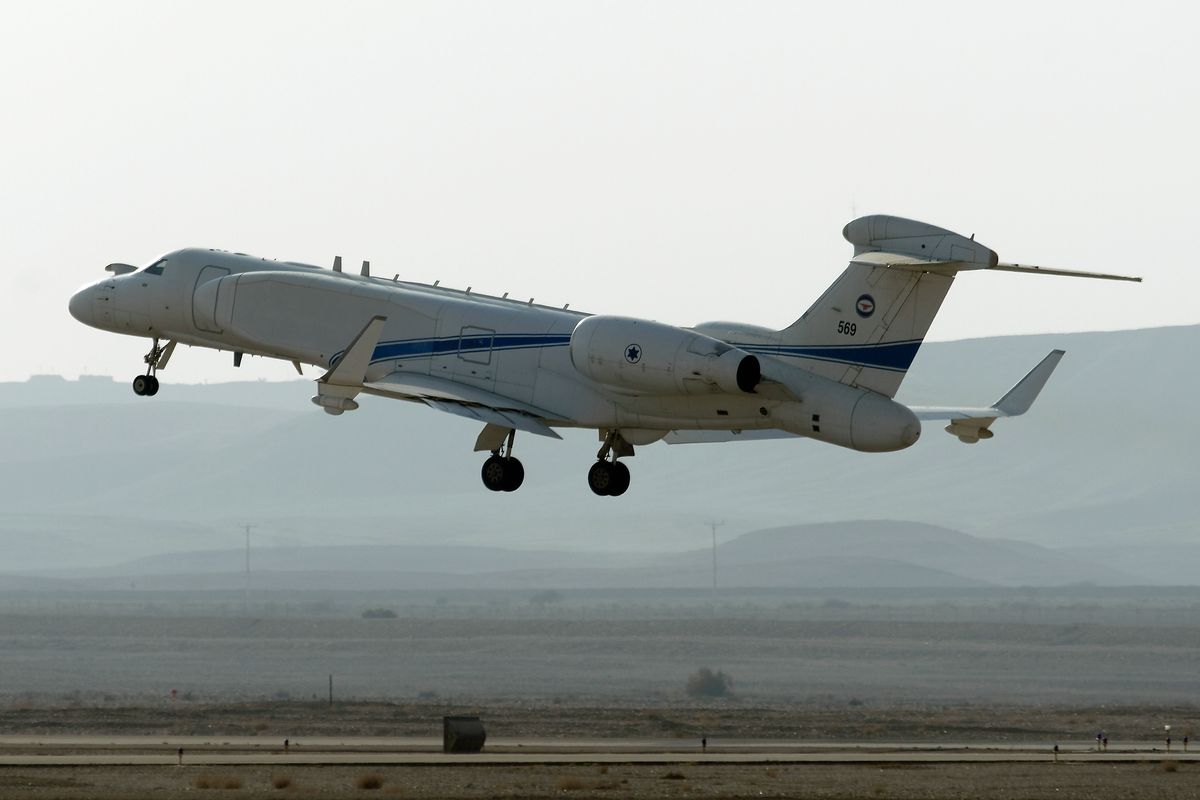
516 366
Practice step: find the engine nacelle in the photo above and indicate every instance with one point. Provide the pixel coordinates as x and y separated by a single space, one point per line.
662 359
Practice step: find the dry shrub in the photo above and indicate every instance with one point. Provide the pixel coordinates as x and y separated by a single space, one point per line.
772 772
372 780
706 683
602 769
1170 766
674 776
218 782
570 783
281 781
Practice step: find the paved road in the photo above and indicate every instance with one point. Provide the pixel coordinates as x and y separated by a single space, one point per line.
215 750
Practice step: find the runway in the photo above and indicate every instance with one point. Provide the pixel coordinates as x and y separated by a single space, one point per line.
382 751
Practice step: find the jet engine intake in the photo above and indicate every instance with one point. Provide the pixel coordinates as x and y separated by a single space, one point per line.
655 358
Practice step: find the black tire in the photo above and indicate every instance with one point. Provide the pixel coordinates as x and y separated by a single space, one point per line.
600 478
620 479
141 385
153 390
514 474
494 473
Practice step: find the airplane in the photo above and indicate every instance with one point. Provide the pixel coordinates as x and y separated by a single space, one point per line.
515 365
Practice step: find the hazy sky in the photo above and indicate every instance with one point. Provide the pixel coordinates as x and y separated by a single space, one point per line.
681 161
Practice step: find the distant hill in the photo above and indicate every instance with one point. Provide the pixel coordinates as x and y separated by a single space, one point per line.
986 561
1104 464
874 553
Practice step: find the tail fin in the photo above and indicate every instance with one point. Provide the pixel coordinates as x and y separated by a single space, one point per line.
865 330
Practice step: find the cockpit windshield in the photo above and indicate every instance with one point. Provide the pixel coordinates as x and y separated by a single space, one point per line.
157 267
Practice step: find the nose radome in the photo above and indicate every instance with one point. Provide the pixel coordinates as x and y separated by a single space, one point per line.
81 305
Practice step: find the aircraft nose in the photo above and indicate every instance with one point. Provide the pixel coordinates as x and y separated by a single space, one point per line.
81 305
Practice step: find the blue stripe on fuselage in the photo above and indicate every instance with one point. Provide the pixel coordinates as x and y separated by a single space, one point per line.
893 356
425 348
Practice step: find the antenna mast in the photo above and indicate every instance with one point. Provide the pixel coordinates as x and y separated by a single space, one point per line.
713 525
246 598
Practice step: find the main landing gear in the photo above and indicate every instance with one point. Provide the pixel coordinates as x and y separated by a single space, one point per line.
147 385
503 473
608 477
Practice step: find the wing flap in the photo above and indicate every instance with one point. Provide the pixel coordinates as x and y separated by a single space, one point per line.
465 401
502 419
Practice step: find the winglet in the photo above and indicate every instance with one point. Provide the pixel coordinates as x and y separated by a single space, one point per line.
338 387
1021 397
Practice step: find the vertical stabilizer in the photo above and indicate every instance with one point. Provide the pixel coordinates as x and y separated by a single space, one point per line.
865 329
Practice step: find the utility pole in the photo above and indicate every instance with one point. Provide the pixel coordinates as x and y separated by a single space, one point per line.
713 525
246 598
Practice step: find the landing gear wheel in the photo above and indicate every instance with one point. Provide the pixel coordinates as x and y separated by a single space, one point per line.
502 474
620 479
600 478
494 473
514 474
145 385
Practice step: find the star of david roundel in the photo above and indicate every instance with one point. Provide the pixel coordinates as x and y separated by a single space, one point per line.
633 353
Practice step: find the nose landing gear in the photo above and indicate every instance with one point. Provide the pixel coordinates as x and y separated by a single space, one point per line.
147 385
503 473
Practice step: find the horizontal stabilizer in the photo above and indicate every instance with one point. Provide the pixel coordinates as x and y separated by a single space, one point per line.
1066 273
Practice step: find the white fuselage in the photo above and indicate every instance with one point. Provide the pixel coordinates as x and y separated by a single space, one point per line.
517 350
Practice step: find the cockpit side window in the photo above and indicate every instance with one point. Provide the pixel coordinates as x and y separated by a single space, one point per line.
157 267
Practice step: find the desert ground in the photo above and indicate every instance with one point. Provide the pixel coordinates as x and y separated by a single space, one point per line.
937 673
835 782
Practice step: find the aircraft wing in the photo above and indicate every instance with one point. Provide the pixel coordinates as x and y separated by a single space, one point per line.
465 401
972 424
